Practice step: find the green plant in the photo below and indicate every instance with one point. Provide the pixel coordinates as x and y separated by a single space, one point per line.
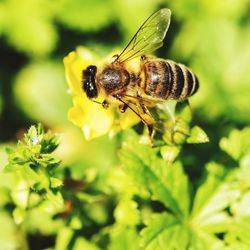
150 197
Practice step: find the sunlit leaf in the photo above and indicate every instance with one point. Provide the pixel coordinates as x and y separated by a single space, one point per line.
63 238
197 135
124 238
237 144
210 202
168 184
126 213
169 153
165 231
82 243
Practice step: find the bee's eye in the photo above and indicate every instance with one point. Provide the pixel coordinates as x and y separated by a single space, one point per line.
91 69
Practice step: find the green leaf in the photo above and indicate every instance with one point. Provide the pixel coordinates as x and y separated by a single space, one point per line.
55 182
19 215
167 184
239 231
63 238
81 243
124 238
197 135
241 208
76 222
197 230
173 121
164 231
31 163
206 241
126 213
56 199
20 194
212 197
41 217
237 144
169 153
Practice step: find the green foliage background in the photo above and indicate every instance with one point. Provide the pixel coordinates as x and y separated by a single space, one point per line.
119 195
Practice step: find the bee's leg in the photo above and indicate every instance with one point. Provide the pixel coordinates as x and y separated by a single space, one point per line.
115 58
142 112
151 133
143 58
149 121
123 107
105 104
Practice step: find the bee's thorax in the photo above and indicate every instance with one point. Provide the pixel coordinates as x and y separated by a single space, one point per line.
113 78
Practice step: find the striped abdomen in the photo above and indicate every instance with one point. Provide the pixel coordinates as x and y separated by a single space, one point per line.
168 80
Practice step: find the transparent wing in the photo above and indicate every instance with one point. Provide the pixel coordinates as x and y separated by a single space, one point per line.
149 36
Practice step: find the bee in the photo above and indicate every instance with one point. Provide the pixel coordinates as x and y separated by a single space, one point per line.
137 81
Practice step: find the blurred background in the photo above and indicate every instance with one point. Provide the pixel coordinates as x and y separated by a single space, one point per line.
211 37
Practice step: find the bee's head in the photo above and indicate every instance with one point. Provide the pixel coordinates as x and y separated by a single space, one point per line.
88 81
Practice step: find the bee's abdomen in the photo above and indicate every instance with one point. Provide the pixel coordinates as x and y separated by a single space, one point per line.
168 80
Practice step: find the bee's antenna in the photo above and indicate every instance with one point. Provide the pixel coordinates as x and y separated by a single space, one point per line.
96 101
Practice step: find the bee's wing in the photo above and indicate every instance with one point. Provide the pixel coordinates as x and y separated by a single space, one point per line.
149 36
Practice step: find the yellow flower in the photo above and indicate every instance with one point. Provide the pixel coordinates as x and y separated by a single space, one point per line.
91 117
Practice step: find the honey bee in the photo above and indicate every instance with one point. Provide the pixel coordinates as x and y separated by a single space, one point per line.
139 82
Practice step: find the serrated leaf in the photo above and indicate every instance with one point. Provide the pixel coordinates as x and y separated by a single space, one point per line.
30 176
206 241
164 231
124 238
168 184
239 230
243 173
63 238
197 135
56 199
81 243
55 182
237 144
76 223
212 197
169 153
127 213
20 194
